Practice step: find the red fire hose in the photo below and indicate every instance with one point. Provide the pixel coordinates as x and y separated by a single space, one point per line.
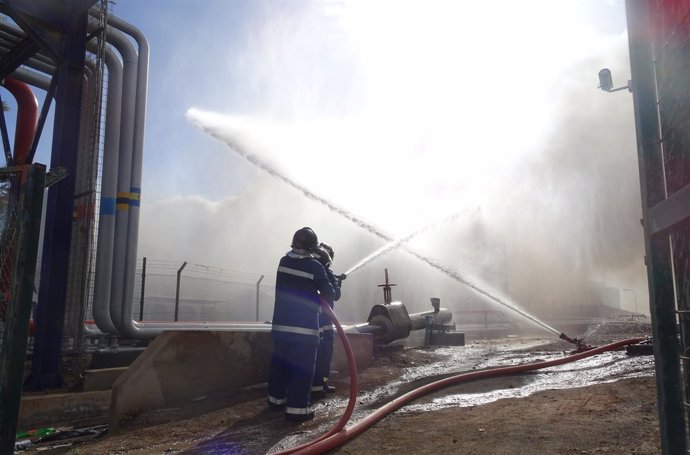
339 435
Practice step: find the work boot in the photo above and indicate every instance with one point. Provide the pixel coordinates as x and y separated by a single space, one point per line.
318 392
299 417
274 406
329 389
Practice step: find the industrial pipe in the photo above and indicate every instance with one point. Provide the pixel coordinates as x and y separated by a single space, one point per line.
387 329
322 445
27 118
118 295
101 307
106 220
140 100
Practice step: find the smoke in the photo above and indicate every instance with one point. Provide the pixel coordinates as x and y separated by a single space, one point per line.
360 133
575 203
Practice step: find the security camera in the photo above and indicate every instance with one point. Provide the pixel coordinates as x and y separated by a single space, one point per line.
605 80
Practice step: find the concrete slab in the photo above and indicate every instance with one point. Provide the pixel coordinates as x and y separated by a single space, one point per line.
181 366
362 345
101 379
43 410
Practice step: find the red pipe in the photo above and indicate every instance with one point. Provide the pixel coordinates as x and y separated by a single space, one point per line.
325 444
27 119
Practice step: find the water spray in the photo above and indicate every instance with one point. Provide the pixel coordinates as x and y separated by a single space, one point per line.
258 162
234 144
396 243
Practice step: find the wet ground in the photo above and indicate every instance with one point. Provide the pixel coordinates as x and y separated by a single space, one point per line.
243 425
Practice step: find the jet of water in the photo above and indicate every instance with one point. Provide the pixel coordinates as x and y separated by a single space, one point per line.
460 279
255 160
396 243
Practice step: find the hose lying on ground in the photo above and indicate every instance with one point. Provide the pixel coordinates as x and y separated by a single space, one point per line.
335 437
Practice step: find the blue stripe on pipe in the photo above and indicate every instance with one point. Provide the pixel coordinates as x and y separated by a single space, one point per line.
134 196
108 206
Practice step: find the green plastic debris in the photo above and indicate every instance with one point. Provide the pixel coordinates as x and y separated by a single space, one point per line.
36 433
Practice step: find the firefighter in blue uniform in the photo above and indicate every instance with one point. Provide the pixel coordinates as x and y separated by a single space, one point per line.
300 282
320 387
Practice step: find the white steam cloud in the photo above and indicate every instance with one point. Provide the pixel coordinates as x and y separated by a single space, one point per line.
402 119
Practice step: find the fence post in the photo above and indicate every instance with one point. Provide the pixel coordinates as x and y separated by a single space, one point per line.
177 292
257 297
143 288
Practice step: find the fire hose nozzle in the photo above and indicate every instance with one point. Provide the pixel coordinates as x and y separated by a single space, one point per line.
565 337
579 342
341 277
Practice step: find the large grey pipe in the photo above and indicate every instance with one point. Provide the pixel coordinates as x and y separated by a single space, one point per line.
123 143
109 284
121 301
124 168
127 322
126 325
11 38
129 174
32 78
103 278
387 333
124 137
106 221
101 304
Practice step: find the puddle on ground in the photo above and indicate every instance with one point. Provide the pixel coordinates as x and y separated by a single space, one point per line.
271 432
606 367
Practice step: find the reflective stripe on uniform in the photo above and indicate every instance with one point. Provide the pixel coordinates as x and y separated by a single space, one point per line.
300 254
291 329
296 272
326 328
317 388
277 401
306 410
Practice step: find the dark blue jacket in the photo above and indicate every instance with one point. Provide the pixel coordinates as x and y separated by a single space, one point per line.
299 281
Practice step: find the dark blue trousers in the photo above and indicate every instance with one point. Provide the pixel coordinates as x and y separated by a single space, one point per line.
323 360
290 378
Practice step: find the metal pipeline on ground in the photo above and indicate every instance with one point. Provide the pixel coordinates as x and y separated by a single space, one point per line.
391 322
326 443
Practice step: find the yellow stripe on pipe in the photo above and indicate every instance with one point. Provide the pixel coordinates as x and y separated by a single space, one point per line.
122 201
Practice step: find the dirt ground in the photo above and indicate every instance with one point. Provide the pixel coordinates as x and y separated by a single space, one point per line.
615 414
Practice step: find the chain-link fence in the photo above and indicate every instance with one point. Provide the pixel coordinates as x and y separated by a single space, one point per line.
9 228
181 291
21 197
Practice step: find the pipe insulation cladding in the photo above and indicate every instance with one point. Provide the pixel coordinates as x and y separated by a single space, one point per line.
391 322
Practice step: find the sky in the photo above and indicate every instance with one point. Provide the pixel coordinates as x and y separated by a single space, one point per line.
478 123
